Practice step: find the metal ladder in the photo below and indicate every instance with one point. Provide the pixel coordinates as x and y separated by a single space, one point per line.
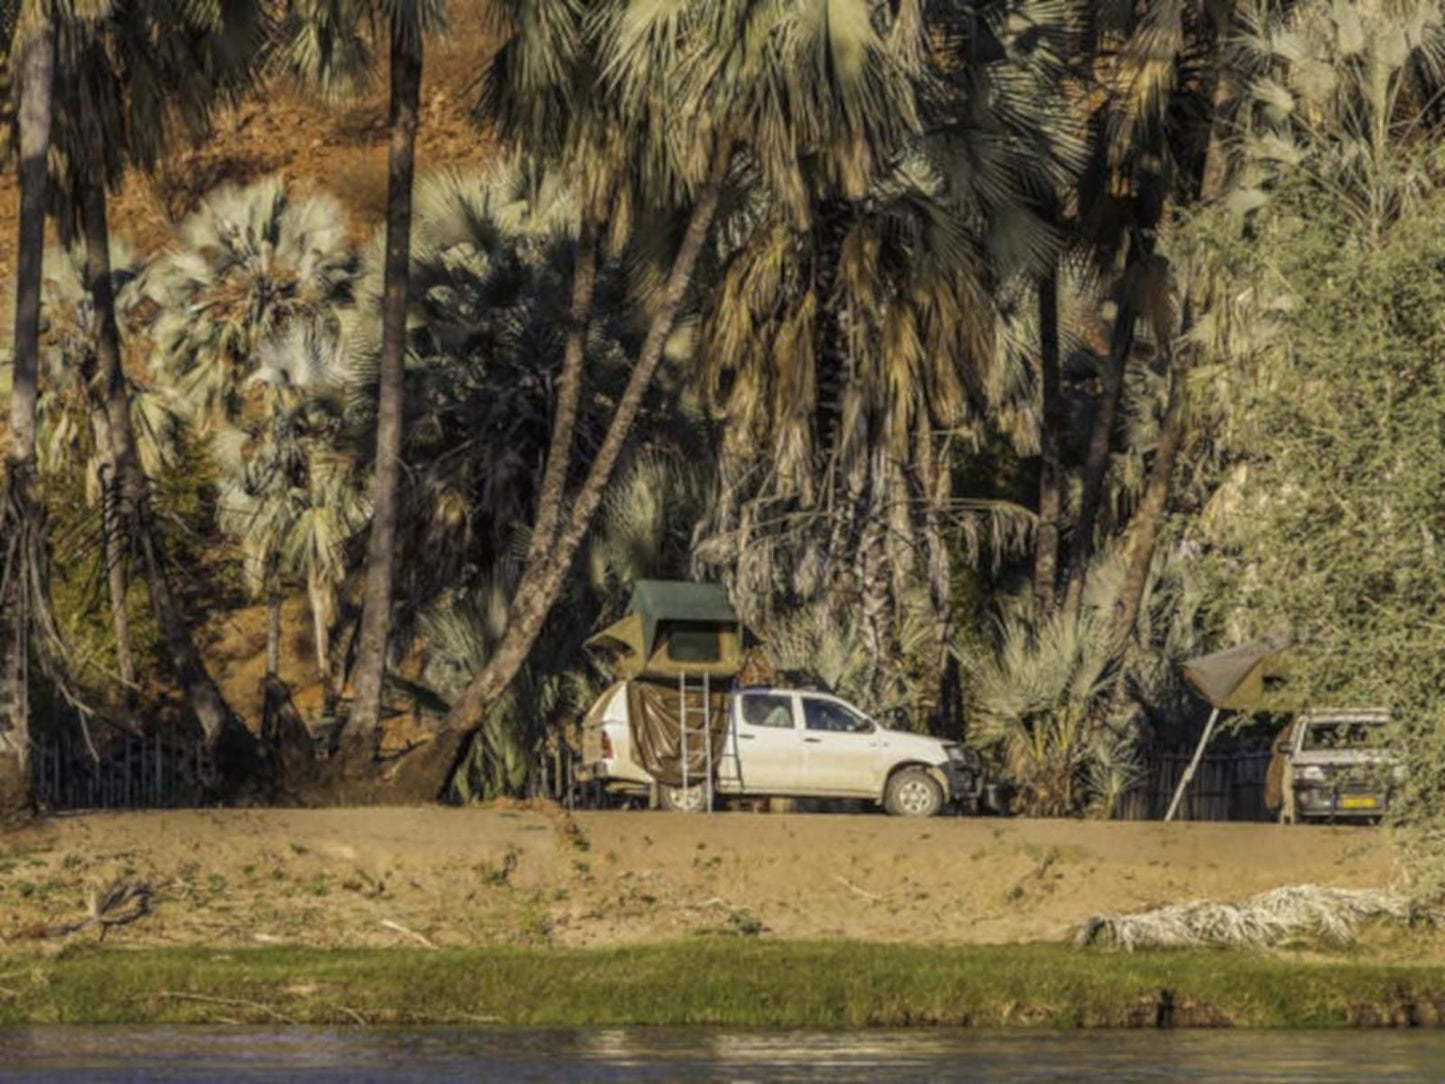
702 686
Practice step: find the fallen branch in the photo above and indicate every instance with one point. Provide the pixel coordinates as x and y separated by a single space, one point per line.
851 887
399 928
119 904
353 1014
239 1002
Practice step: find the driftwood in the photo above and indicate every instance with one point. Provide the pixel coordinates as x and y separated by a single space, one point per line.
118 904
399 928
1270 918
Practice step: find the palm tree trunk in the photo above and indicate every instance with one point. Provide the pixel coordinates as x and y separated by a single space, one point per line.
406 67
1046 544
427 772
115 574
133 506
37 75
1226 92
273 635
1150 517
319 594
113 538
1096 462
569 393
21 501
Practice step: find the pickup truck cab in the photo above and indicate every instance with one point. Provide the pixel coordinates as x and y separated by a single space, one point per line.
791 743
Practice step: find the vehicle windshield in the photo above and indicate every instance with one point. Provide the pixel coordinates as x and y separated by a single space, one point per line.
1335 734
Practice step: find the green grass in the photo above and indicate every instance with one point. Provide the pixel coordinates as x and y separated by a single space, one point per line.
735 982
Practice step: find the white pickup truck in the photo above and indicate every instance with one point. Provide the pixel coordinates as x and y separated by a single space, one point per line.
788 743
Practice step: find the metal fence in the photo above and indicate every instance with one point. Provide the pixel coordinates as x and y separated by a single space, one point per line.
139 771
1225 787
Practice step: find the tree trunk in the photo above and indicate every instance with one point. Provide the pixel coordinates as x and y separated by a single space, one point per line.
319 594
406 66
273 636
1227 90
1150 517
427 772
569 393
1096 462
133 507
113 532
115 574
20 510
37 77
1216 153
1046 544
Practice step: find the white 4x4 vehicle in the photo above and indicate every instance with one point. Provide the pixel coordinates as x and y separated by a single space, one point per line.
787 743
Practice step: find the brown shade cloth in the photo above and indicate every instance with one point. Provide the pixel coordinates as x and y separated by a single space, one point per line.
653 709
1234 679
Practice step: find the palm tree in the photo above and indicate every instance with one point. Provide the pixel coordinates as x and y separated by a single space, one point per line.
855 356
252 267
33 32
492 258
74 426
321 41
303 498
804 81
251 297
132 74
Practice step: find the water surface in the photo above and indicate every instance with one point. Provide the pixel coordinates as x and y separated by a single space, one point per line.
407 1054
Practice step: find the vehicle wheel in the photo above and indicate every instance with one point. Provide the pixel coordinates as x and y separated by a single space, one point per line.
912 792
679 800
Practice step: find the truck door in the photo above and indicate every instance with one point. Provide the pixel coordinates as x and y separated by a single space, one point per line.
769 742
840 750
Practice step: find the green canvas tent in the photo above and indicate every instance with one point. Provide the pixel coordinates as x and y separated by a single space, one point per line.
674 629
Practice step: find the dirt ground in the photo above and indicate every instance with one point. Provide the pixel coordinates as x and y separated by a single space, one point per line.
403 876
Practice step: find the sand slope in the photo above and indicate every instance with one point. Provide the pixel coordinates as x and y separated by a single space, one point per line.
471 876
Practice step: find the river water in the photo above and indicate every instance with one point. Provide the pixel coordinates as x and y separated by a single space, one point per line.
432 1054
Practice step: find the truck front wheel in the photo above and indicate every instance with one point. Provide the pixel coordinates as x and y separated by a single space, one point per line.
912 792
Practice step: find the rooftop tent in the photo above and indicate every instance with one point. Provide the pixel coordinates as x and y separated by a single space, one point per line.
1236 679
674 628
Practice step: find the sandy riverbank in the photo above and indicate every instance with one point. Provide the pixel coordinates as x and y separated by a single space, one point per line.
373 878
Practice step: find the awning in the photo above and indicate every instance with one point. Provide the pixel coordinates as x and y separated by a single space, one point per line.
1234 680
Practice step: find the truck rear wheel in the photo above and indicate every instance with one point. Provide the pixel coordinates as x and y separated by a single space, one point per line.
679 800
912 792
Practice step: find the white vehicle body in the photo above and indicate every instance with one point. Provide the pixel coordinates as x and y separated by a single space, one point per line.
790 743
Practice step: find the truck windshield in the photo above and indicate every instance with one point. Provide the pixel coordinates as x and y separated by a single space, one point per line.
1343 735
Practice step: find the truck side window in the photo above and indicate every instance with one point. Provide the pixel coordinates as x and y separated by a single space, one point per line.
827 715
770 711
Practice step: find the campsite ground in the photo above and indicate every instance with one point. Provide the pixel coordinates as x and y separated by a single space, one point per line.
470 877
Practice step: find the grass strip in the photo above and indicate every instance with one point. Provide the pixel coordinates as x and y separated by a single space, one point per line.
737 983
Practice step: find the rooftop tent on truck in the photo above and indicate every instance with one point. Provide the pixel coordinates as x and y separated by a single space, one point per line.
677 650
675 628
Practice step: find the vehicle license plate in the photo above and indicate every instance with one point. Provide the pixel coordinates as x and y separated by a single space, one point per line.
1357 801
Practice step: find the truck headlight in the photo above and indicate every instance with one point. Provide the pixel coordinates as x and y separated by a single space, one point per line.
1312 773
